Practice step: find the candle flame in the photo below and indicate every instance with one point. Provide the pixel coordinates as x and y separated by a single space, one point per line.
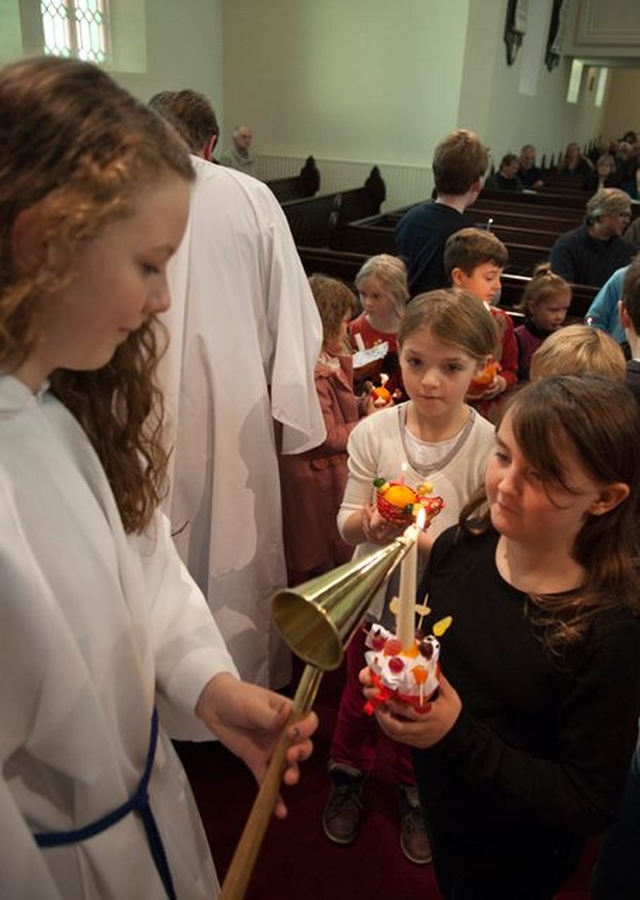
421 518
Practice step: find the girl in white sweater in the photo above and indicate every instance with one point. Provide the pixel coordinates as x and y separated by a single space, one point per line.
445 340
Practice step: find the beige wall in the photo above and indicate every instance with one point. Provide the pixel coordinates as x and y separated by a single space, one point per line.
623 103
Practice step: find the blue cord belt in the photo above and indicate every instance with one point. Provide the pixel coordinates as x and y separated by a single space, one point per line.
139 802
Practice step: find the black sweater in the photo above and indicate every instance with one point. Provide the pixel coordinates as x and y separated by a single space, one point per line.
538 757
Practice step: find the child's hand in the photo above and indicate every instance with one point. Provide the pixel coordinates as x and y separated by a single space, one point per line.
493 389
376 529
417 728
367 405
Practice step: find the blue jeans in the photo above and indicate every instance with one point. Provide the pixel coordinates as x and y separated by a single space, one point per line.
617 872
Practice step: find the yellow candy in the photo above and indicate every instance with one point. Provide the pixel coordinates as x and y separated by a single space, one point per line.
441 626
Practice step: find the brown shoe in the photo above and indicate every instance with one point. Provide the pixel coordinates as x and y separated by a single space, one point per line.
342 815
413 833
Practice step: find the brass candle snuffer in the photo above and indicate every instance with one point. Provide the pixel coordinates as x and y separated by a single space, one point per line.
317 620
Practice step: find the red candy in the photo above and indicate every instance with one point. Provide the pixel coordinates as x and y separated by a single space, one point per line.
392 647
396 665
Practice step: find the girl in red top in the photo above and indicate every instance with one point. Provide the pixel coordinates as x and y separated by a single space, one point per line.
383 291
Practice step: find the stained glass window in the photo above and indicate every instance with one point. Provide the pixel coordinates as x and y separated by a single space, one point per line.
75 28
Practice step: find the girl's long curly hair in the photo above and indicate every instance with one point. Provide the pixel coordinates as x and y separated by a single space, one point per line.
75 150
597 419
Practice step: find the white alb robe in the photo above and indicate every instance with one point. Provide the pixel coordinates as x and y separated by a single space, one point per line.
245 337
95 626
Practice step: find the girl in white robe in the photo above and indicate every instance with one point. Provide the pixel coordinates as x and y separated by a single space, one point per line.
100 622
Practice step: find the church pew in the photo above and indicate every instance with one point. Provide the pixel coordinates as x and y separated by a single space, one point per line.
370 239
536 201
306 184
311 219
482 211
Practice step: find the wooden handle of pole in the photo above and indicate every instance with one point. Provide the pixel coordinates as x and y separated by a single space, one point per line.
244 859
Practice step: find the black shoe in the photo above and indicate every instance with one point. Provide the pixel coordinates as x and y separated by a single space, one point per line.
413 833
342 815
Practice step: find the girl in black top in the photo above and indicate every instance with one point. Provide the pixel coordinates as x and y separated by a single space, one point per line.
525 749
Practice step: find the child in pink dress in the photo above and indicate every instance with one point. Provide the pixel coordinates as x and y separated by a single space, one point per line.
313 482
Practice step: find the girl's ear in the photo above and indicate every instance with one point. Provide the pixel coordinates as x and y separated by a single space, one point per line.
609 497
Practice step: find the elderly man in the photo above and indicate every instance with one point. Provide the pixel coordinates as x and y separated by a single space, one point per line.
591 253
529 173
238 156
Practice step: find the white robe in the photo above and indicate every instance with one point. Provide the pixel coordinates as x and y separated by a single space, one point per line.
245 337
95 626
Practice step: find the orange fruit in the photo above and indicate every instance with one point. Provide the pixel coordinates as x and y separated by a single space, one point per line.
486 376
400 495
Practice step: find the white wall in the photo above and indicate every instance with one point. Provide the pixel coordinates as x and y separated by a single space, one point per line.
350 79
183 50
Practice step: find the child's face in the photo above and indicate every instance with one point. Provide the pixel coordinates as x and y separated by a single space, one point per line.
528 511
483 281
436 374
550 314
375 298
119 281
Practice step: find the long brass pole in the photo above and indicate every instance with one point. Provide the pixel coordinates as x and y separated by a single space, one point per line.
244 859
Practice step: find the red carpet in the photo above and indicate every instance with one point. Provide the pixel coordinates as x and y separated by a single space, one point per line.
297 860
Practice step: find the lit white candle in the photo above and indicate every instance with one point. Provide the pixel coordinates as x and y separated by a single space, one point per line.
406 620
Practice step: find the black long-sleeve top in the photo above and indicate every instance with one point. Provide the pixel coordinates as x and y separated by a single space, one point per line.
538 757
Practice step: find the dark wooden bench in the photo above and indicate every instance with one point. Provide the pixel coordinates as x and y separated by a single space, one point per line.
368 237
312 219
482 211
306 184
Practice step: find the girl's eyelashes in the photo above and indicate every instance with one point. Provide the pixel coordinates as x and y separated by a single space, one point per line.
149 268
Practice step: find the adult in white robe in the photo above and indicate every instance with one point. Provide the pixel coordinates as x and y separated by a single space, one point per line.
96 627
245 337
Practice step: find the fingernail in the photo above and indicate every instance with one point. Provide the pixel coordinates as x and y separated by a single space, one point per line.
295 733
